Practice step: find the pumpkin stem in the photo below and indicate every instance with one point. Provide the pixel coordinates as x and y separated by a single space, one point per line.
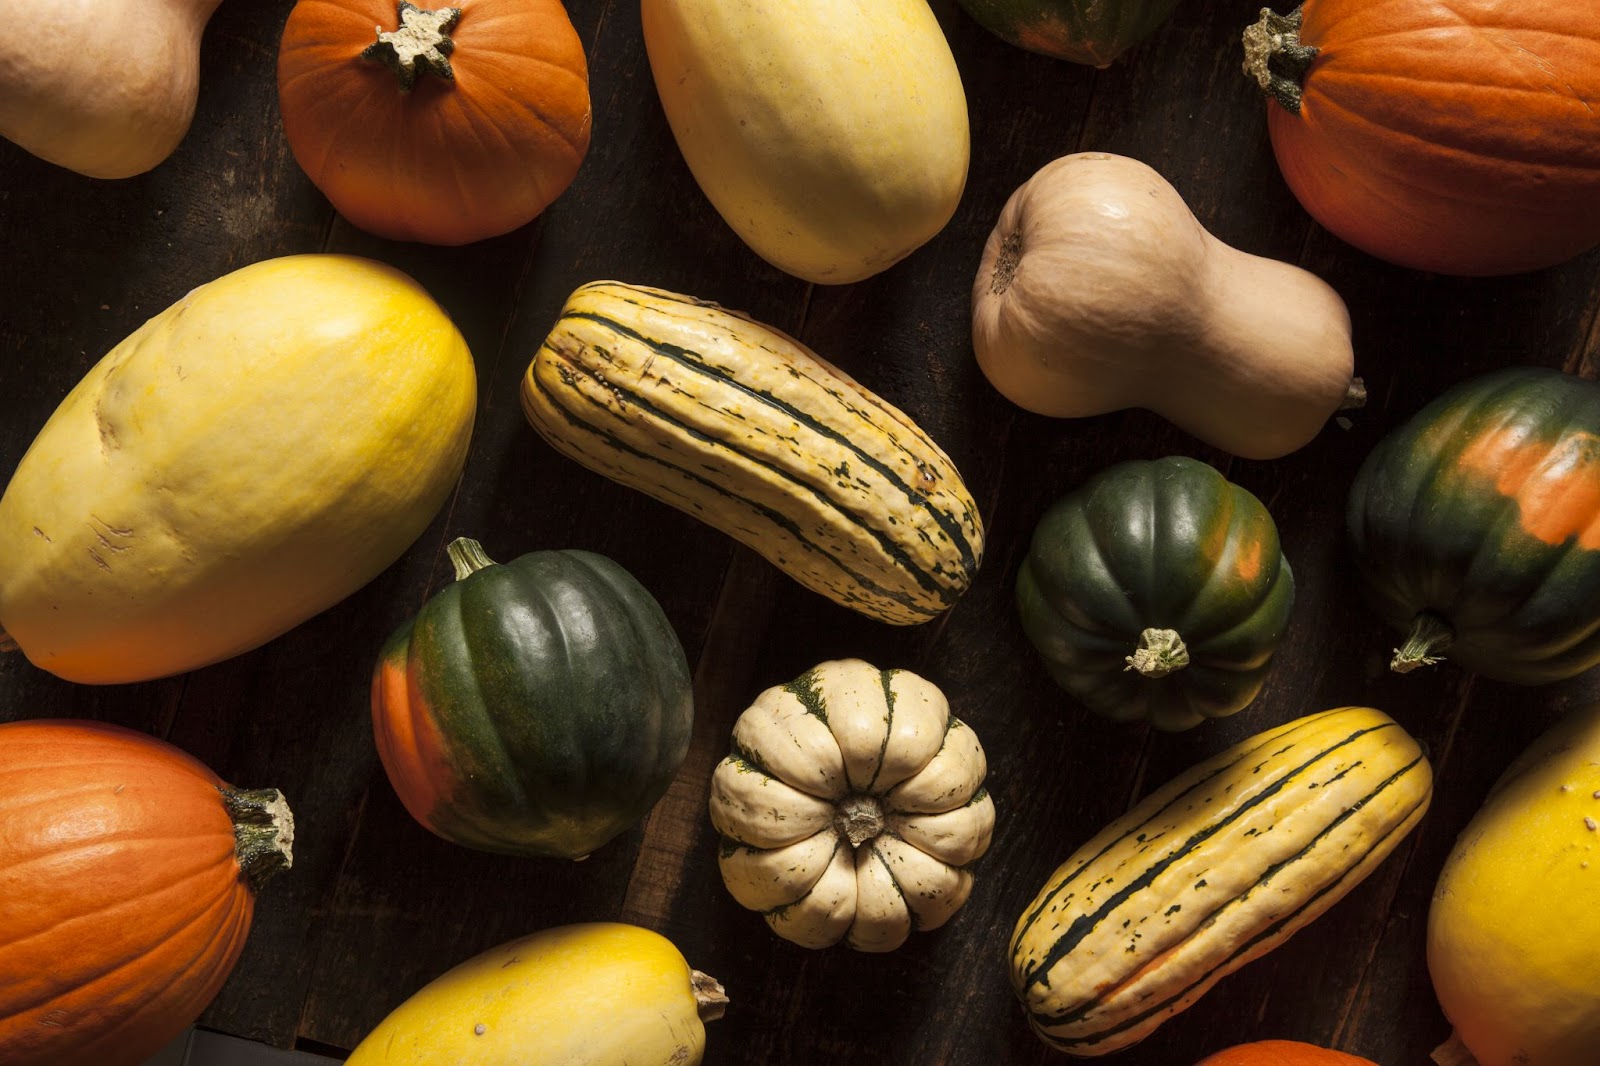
6 643
1160 652
710 998
1453 1052
421 44
859 818
467 556
263 832
1355 395
1429 634
1275 58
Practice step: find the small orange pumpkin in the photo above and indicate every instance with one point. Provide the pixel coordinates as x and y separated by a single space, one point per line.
1282 1053
447 125
128 874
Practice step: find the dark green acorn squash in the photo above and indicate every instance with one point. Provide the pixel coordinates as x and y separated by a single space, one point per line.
539 707
1157 591
1475 527
1081 31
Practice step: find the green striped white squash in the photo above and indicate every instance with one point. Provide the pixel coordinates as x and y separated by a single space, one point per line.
1217 868
745 428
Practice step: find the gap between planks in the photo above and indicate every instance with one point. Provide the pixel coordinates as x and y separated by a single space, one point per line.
722 682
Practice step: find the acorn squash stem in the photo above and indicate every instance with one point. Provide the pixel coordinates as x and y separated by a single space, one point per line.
1160 652
421 44
1275 58
467 556
6 643
1453 1053
263 832
1429 636
711 999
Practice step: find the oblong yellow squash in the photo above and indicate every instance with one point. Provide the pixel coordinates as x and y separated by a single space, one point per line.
1217 868
1514 927
745 428
245 459
830 134
601 994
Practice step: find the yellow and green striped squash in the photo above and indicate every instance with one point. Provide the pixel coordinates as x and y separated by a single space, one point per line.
1215 869
748 430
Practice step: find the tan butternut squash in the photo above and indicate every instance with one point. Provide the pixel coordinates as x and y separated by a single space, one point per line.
106 88
1099 290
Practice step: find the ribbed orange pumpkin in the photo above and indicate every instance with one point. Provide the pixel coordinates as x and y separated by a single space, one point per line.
1282 1053
1460 138
128 874
446 125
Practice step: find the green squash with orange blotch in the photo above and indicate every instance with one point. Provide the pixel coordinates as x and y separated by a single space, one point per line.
1475 527
537 707
1157 591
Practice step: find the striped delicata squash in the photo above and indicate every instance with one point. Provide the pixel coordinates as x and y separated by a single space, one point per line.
1217 868
745 428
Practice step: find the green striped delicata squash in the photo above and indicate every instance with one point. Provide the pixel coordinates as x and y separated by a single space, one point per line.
746 429
1215 869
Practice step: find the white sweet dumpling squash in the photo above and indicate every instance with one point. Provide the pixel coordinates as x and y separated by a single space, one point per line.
851 807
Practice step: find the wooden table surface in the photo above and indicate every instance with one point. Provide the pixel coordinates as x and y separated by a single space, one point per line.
375 905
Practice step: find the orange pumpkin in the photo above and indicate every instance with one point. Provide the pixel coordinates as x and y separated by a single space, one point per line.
444 125
128 874
1460 138
1282 1053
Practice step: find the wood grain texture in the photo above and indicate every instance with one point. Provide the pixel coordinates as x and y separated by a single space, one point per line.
375 905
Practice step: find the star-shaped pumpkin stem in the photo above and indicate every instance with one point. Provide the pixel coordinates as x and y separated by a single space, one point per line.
421 44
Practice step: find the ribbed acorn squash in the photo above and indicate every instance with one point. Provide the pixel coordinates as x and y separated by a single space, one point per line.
536 707
1157 591
1476 527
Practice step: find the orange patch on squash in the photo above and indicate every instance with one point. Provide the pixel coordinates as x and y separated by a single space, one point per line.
408 741
1247 563
1556 488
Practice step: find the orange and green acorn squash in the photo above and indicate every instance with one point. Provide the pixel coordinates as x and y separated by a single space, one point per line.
1475 527
1157 591
537 707
1093 32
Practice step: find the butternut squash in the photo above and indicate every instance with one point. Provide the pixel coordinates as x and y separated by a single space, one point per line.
1098 290
248 457
830 134
108 88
